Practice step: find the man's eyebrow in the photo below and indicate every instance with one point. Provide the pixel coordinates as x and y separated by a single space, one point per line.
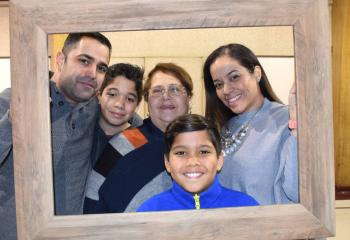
86 56
91 58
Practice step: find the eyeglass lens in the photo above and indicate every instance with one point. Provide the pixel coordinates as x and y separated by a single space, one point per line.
172 90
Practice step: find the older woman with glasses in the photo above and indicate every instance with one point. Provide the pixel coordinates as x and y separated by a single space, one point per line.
134 160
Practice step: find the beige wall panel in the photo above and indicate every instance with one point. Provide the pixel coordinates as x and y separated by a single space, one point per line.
193 66
136 61
4 32
264 41
139 62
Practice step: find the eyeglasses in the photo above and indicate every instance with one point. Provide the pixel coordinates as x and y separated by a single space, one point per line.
173 90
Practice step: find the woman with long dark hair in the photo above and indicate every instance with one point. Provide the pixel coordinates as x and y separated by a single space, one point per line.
260 150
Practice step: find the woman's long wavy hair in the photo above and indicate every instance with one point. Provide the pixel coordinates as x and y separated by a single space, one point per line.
215 110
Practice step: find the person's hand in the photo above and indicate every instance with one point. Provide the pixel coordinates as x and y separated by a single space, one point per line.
292 102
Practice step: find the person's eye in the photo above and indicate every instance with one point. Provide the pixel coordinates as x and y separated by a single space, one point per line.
156 91
131 99
204 152
179 153
175 90
112 94
218 85
102 68
84 61
234 77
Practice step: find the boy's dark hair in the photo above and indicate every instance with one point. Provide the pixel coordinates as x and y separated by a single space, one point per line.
191 123
132 72
73 38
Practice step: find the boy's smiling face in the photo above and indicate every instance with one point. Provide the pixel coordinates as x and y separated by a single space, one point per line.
193 161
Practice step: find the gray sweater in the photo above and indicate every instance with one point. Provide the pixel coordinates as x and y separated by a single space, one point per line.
265 165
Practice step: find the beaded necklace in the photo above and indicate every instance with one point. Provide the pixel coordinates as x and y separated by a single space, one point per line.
232 141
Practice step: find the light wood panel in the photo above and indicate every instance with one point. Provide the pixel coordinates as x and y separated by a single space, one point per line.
30 22
341 90
31 128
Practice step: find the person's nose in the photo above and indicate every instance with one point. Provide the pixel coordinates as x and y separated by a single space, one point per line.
193 160
227 87
119 102
166 94
92 71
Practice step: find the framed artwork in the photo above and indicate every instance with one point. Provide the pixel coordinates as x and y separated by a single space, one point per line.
30 23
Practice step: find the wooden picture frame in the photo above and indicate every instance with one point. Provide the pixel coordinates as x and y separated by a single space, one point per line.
30 23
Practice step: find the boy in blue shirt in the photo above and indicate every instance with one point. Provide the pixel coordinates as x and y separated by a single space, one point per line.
193 157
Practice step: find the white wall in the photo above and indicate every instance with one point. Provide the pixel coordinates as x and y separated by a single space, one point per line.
281 74
5 80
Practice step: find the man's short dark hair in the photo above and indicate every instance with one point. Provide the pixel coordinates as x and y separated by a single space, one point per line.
132 72
74 38
191 123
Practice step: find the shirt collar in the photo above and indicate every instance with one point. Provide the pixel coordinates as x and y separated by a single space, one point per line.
57 97
155 132
206 198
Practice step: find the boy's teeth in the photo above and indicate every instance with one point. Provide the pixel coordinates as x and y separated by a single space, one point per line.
193 175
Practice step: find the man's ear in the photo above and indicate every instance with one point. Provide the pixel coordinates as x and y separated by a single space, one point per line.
98 95
167 164
257 73
220 162
60 59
